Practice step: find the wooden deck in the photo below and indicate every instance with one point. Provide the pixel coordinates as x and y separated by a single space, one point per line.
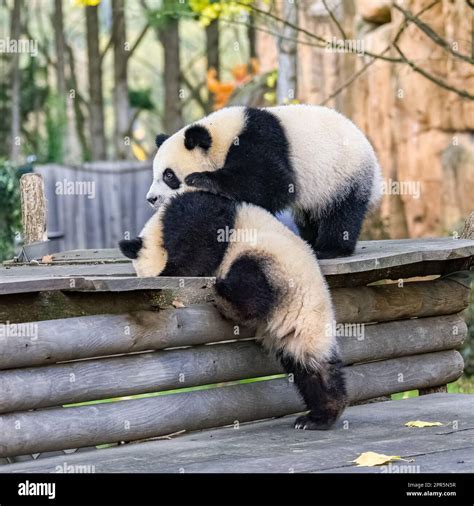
108 270
274 446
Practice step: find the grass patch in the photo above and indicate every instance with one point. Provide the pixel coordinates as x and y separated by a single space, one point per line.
464 385
176 391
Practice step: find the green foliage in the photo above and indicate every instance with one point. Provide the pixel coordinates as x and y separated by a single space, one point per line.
10 211
170 9
141 99
56 124
209 10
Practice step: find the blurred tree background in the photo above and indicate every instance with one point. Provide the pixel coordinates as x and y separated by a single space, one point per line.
87 80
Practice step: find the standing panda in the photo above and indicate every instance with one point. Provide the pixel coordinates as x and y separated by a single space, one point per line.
268 279
308 158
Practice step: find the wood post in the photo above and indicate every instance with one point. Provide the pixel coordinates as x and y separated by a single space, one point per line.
33 208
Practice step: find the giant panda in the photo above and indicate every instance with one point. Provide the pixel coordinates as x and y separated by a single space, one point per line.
267 279
308 158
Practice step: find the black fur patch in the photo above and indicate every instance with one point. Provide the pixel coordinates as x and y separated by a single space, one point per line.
323 389
257 168
191 225
171 179
160 139
131 248
335 231
197 135
248 289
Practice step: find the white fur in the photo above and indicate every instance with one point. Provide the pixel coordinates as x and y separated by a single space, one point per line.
224 126
302 324
327 150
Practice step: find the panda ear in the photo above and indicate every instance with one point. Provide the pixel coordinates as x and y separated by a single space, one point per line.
197 135
131 248
160 139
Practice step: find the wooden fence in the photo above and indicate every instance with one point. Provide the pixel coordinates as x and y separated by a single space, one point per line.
94 204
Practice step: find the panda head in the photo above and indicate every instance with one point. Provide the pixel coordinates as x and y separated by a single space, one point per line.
178 156
148 255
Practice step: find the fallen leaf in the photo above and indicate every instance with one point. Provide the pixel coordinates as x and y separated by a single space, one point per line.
177 304
369 459
47 259
419 423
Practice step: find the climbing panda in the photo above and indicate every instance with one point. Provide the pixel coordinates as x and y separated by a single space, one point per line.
267 279
307 158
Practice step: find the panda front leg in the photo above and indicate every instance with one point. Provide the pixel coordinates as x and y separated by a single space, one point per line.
323 389
217 182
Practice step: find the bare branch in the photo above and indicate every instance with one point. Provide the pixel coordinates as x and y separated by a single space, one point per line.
138 41
326 43
401 29
436 80
336 22
437 39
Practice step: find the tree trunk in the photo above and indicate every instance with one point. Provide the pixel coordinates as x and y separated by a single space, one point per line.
121 102
80 120
58 24
212 52
252 36
15 140
169 37
96 106
287 58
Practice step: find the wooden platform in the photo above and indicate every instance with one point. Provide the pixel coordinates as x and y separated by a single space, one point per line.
274 446
108 270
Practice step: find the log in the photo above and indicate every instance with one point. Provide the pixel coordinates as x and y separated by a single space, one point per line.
390 302
30 388
33 208
93 336
53 305
62 428
357 305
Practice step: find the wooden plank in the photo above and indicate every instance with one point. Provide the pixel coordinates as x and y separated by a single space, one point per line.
55 429
30 388
274 446
381 260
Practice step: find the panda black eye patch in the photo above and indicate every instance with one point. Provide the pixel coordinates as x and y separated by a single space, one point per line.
169 177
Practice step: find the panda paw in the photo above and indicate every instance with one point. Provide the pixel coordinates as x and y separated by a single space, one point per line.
305 422
199 180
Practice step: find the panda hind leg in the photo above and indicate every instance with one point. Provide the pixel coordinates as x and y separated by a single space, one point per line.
323 389
245 294
340 223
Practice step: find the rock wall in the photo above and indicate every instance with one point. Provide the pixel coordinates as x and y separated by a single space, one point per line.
422 133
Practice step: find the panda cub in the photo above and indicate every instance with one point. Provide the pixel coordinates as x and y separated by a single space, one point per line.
307 158
267 279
